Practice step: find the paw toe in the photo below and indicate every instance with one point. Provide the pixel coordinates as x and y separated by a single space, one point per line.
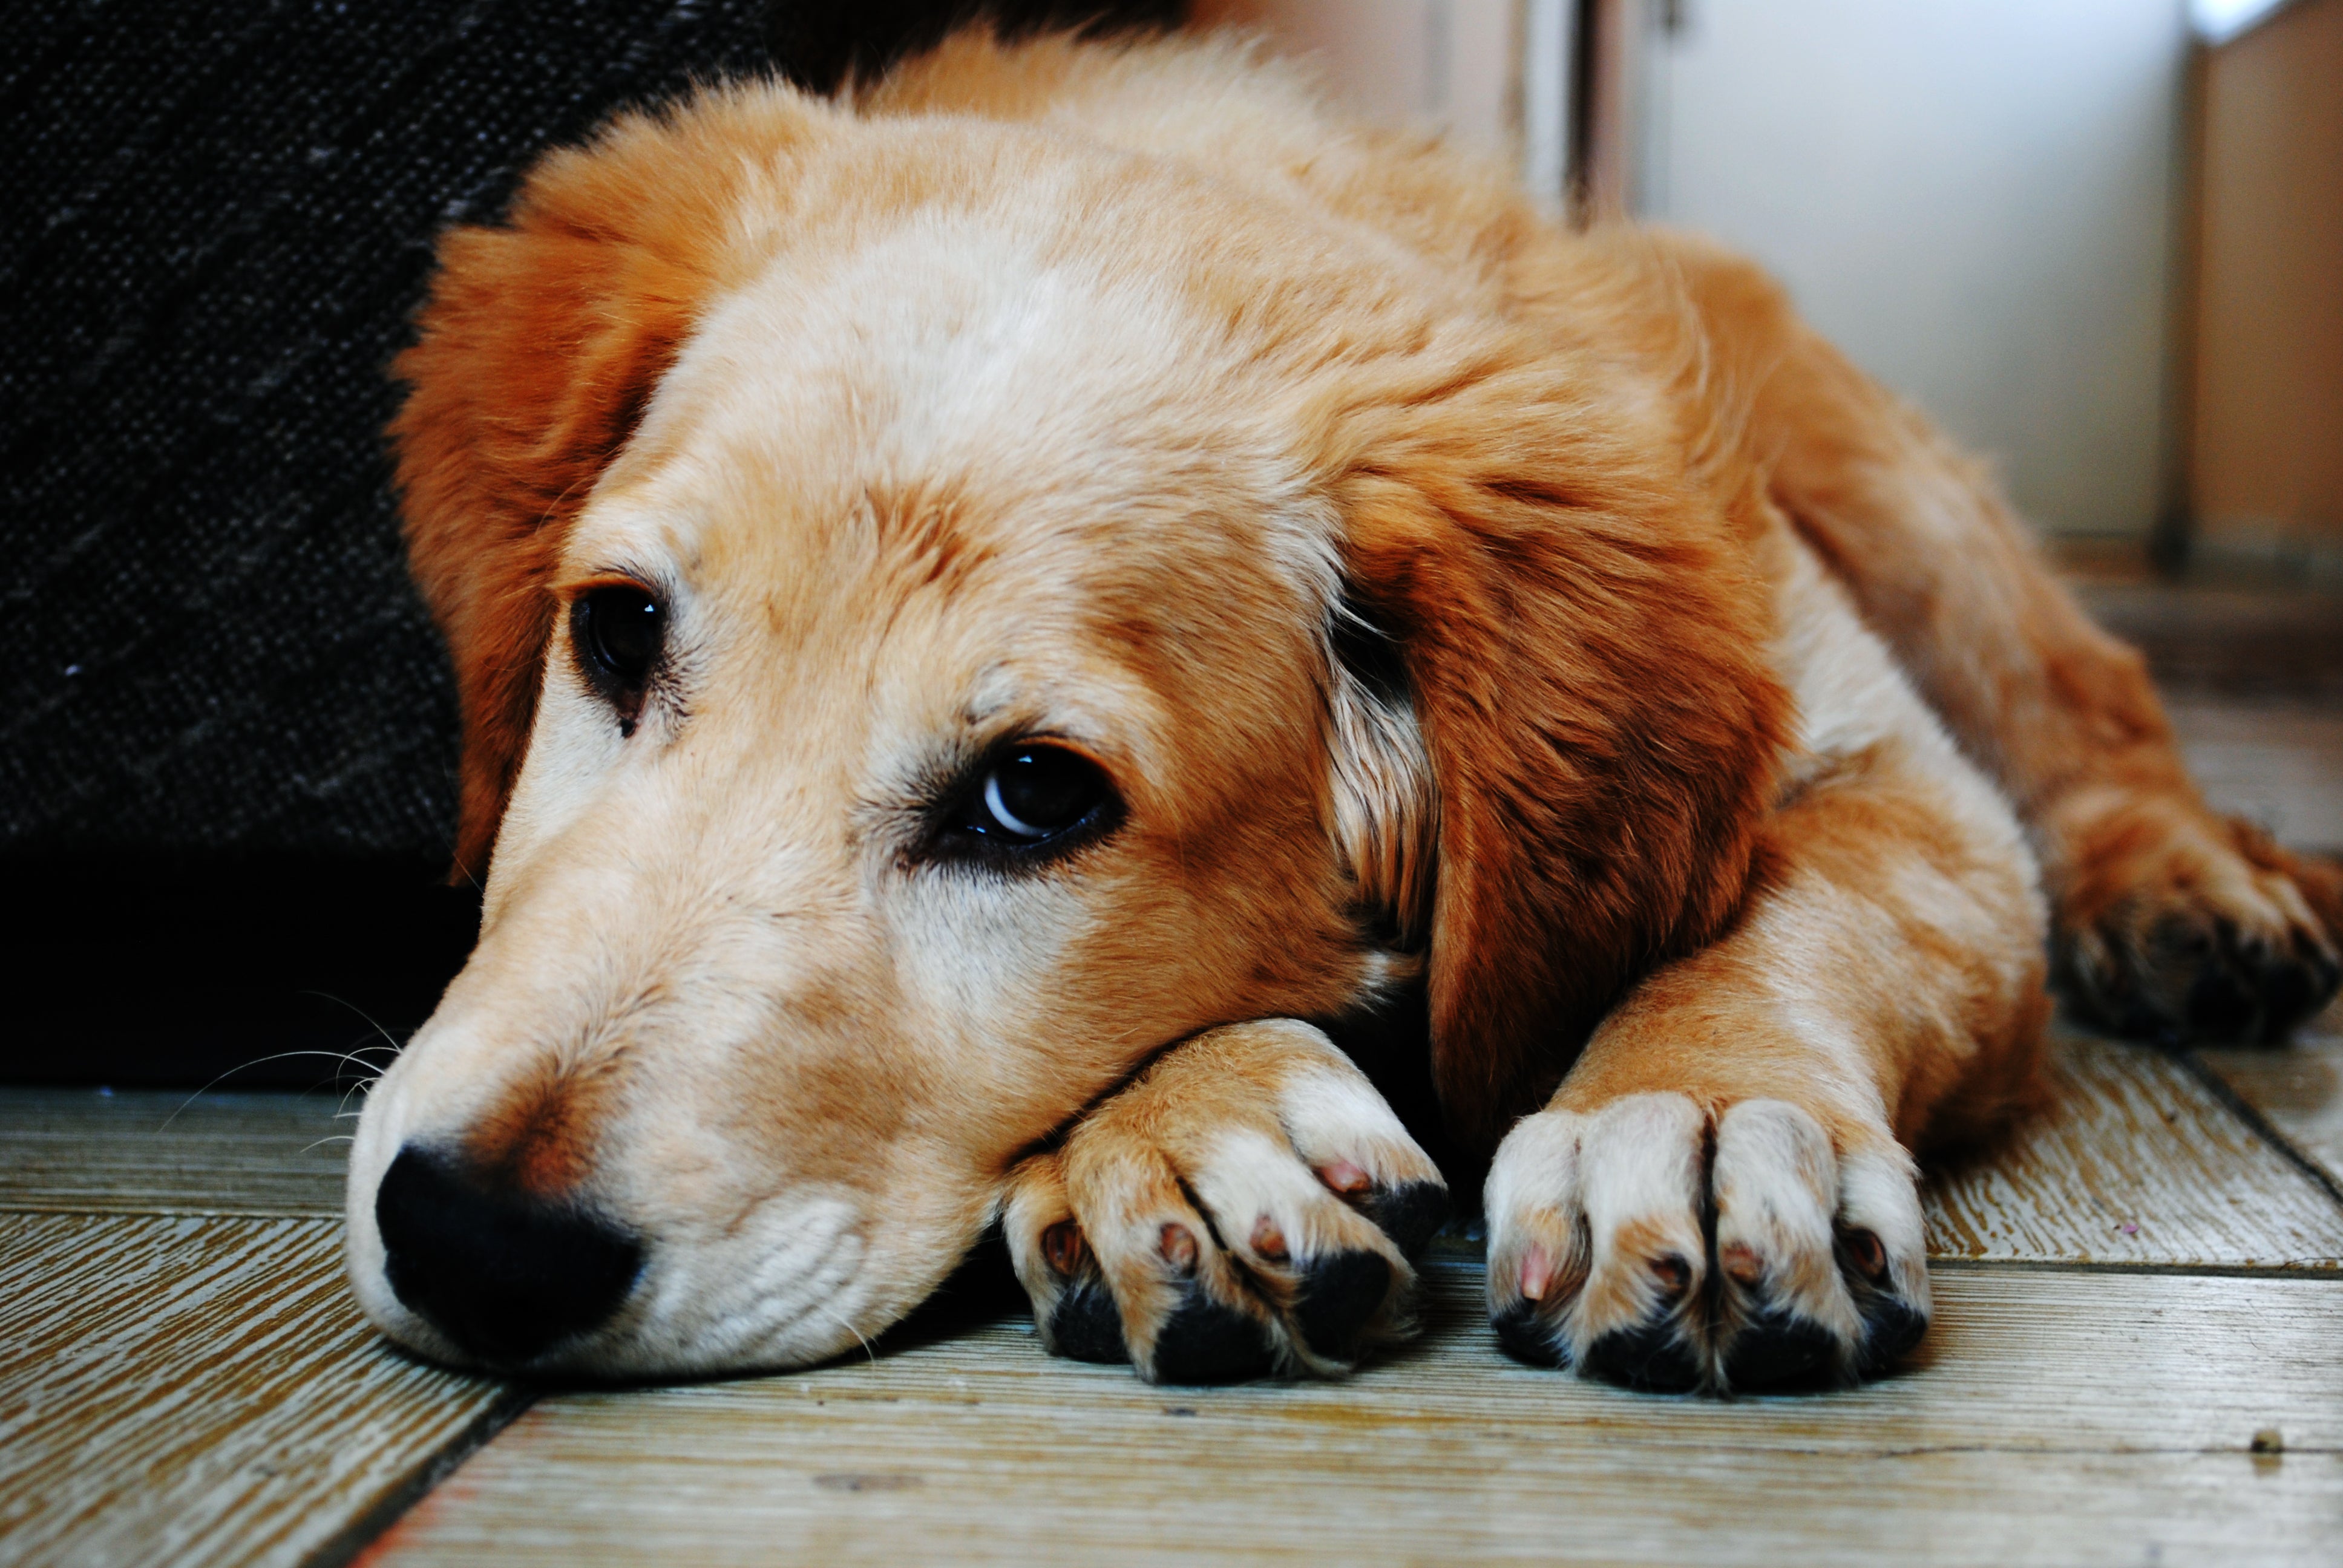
1776 1347
1409 1213
1207 1343
1085 1325
1891 1327
1654 1358
2221 1004
1340 1294
1525 1335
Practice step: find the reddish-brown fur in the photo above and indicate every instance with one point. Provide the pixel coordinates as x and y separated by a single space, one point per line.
541 342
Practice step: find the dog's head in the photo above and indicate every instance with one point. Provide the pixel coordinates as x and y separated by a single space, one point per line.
942 612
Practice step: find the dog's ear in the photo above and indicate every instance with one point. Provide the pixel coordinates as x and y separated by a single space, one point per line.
1582 639
537 352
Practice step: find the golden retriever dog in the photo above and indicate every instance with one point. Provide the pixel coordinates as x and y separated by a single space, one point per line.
1000 615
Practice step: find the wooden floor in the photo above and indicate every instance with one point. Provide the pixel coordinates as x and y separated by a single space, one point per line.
2138 1358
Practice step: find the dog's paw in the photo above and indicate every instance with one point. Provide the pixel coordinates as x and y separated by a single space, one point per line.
2180 927
1643 1244
1248 1205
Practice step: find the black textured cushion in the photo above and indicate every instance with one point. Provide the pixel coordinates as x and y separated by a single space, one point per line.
227 737
218 222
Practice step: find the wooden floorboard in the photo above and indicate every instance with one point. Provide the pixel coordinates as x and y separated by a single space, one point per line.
2274 764
2296 1090
2133 1161
154 1152
2056 1417
183 1378
196 1388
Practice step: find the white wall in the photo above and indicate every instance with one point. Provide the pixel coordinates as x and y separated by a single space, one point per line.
1971 196
1448 62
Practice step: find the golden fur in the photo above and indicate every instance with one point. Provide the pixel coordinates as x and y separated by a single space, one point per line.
1117 395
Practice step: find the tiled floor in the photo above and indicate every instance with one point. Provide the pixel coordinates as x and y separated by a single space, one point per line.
2138 1358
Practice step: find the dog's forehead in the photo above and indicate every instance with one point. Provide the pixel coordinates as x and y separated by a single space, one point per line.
970 397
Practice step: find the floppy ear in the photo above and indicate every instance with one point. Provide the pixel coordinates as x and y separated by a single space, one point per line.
539 345
1583 639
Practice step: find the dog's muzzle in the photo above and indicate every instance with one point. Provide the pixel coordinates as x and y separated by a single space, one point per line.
505 1274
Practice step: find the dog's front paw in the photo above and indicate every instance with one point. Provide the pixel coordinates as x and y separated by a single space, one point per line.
1248 1205
1642 1243
2179 926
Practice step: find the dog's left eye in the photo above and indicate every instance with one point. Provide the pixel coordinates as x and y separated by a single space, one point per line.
1034 794
617 632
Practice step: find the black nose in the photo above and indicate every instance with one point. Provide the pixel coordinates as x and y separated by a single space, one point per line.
501 1272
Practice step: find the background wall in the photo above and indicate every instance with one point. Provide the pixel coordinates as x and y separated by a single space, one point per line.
1972 197
1448 62
2268 429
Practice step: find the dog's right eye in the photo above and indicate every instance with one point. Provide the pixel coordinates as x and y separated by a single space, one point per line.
1033 797
618 631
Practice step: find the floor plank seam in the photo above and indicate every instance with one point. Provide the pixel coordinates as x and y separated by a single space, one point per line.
112 1211
2124 1450
345 1545
2318 1268
2247 1112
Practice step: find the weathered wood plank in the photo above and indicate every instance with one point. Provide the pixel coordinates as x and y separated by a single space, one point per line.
2296 1088
184 1389
158 1151
2274 764
2135 1161
2069 1417
2131 1138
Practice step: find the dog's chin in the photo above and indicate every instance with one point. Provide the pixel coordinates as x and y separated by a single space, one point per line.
781 1335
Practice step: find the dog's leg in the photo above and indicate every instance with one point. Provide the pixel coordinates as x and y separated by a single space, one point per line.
1721 1193
1248 1203
2170 922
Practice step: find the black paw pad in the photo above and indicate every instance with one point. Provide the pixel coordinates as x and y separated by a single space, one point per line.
1654 1358
1528 1338
1085 1325
1776 1347
1339 1294
1207 1343
2295 988
1891 1326
2221 1005
1409 1215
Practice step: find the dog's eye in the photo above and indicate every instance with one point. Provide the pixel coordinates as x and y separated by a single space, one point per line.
618 631
1035 794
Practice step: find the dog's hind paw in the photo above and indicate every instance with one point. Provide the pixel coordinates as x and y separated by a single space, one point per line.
1248 1205
2179 926
1645 1244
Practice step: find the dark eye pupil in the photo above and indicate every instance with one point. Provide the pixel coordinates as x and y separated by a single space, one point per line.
1047 789
622 627
1030 797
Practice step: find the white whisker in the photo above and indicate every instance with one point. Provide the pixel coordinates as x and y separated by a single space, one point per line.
839 1319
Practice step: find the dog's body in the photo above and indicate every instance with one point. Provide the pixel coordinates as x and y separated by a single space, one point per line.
1359 584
